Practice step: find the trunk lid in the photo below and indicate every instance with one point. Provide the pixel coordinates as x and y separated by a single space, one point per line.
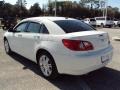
99 39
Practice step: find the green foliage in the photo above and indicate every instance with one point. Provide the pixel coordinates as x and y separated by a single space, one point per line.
8 10
35 10
74 9
1 3
64 8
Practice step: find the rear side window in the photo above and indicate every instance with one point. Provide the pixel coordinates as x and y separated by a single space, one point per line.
43 29
33 27
70 26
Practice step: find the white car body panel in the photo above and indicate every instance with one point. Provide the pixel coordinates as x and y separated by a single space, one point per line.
67 61
116 23
104 22
88 21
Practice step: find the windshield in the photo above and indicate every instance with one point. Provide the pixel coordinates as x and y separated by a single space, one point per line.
70 26
103 18
108 18
92 20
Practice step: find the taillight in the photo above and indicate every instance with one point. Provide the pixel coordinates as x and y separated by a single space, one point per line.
77 45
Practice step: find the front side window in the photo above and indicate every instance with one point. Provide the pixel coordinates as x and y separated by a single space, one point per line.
21 27
34 28
70 26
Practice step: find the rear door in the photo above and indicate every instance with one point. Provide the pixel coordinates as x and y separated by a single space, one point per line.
30 39
33 36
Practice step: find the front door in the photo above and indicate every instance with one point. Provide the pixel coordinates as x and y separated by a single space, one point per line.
17 37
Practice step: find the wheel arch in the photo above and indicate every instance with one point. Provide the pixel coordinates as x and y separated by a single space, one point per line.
44 50
39 51
102 24
4 38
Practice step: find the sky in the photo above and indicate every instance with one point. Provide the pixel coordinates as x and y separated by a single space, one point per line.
113 3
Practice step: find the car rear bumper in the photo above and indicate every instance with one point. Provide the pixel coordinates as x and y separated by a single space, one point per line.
81 64
109 24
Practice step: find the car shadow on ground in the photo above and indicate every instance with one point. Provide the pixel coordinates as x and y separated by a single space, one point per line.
103 79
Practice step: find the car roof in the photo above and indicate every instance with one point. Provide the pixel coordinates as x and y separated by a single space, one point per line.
48 21
38 19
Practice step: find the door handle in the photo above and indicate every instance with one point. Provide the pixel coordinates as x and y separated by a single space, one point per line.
19 35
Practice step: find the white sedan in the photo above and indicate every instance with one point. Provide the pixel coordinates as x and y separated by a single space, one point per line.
59 45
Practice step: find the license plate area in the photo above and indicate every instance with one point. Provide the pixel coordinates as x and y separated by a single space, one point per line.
105 58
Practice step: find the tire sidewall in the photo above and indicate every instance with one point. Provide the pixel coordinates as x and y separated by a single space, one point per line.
9 50
54 73
102 25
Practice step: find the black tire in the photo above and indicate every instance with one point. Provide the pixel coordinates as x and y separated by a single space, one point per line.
54 73
102 25
4 28
114 25
7 49
110 26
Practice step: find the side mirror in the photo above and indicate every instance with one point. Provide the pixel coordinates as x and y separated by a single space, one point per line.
12 30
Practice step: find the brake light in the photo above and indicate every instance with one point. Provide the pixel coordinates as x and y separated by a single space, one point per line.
77 45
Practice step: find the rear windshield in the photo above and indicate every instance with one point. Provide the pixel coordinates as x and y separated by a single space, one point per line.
70 26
